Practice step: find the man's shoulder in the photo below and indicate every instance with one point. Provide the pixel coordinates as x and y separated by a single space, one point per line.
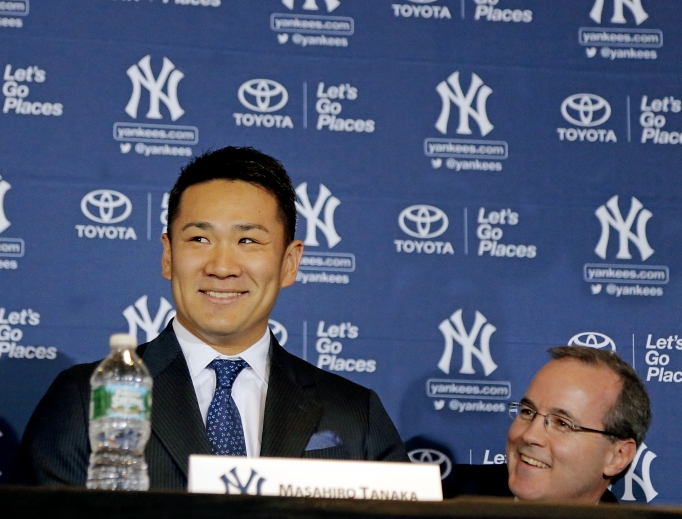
78 374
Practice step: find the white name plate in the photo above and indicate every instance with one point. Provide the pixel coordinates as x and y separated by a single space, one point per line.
289 477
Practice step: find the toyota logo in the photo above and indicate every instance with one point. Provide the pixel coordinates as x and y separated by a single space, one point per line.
586 107
434 457
111 206
422 217
279 331
593 340
262 92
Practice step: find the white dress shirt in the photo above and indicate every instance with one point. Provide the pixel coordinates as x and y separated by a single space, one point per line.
249 389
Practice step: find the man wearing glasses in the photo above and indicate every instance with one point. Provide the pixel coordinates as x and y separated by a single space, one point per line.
577 428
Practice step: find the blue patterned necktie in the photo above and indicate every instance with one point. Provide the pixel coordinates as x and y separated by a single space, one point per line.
223 422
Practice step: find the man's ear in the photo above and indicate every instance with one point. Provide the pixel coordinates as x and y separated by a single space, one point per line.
622 454
166 257
292 258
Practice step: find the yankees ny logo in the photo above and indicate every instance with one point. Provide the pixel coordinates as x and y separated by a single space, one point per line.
152 328
312 215
231 480
615 219
466 340
155 86
311 5
455 95
635 7
4 187
645 481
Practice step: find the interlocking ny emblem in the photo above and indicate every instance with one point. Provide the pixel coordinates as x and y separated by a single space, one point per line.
466 340
253 485
155 86
453 94
151 327
311 5
645 480
625 236
312 215
635 7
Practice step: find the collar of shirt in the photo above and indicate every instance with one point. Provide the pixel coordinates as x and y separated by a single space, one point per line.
198 354
249 390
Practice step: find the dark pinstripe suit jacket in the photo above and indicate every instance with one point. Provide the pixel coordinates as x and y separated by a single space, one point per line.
301 400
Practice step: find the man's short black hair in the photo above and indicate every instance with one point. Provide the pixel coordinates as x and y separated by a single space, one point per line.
244 164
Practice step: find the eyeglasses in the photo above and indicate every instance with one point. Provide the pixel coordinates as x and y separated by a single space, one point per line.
553 422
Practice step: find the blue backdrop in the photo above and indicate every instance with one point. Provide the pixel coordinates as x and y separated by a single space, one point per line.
478 180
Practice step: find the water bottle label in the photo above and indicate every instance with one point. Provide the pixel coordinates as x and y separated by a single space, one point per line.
121 401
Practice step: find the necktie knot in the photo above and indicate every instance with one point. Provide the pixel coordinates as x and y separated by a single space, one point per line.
226 371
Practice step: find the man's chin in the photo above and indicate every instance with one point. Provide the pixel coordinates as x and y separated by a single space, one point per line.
211 330
525 494
529 489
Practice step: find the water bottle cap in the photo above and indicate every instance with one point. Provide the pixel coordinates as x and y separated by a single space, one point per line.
122 341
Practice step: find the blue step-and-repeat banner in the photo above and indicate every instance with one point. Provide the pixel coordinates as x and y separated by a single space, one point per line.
477 180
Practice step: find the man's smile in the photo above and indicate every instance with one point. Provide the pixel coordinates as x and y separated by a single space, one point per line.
532 461
222 295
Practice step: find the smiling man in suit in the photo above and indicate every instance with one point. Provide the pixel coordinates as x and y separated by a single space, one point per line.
574 433
222 383
577 428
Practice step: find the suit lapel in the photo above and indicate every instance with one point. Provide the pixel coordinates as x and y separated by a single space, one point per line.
176 419
291 417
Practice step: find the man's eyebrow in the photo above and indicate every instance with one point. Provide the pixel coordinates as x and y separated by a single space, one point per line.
243 227
250 227
562 412
527 401
554 410
204 226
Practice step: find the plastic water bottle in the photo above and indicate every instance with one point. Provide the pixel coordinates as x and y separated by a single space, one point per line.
120 413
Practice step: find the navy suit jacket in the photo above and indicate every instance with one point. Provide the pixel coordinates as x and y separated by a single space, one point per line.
301 401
